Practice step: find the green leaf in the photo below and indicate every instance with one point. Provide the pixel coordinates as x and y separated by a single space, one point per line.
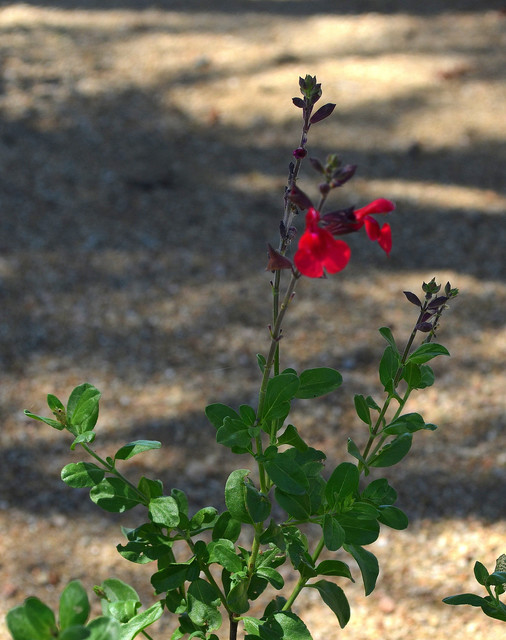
41 618
497 578
234 434
286 474
116 590
77 632
150 488
354 451
428 376
172 576
74 605
388 335
342 484
285 625
280 390
426 352
164 511
21 626
261 361
334 568
257 504
388 368
333 533
393 517
103 628
85 437
248 415
318 382
334 597
408 423
216 414
291 437
392 452
223 552
299 507
481 573
235 496
82 408
273 576
362 409
368 565
412 375
465 598
54 403
358 531
237 598
125 610
82 474
227 527
141 621
131 449
203 519
113 495
50 421
203 602
379 492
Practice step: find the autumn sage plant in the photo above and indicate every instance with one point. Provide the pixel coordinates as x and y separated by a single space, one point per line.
286 506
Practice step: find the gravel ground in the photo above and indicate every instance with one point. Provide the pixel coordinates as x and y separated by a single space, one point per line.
143 152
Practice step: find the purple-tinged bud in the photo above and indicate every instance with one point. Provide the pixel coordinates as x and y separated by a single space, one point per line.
424 327
343 175
324 188
299 153
298 102
316 164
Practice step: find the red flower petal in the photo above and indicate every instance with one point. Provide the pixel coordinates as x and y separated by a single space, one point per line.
385 239
376 206
372 228
338 256
318 250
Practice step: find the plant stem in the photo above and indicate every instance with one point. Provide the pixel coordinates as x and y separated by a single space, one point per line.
275 337
302 581
233 629
112 469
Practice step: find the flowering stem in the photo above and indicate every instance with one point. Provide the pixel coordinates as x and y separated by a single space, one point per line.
275 337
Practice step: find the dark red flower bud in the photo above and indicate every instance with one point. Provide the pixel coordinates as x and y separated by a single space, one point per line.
277 261
324 188
299 198
299 153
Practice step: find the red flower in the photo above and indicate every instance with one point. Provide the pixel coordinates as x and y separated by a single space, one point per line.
318 250
348 220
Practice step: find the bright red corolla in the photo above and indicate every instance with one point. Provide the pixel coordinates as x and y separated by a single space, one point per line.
350 220
318 251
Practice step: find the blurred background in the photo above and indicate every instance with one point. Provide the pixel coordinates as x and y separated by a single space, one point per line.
144 149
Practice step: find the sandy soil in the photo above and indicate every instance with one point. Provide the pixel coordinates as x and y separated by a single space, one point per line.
143 153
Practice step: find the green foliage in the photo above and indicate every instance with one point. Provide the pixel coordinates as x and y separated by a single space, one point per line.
495 585
199 566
